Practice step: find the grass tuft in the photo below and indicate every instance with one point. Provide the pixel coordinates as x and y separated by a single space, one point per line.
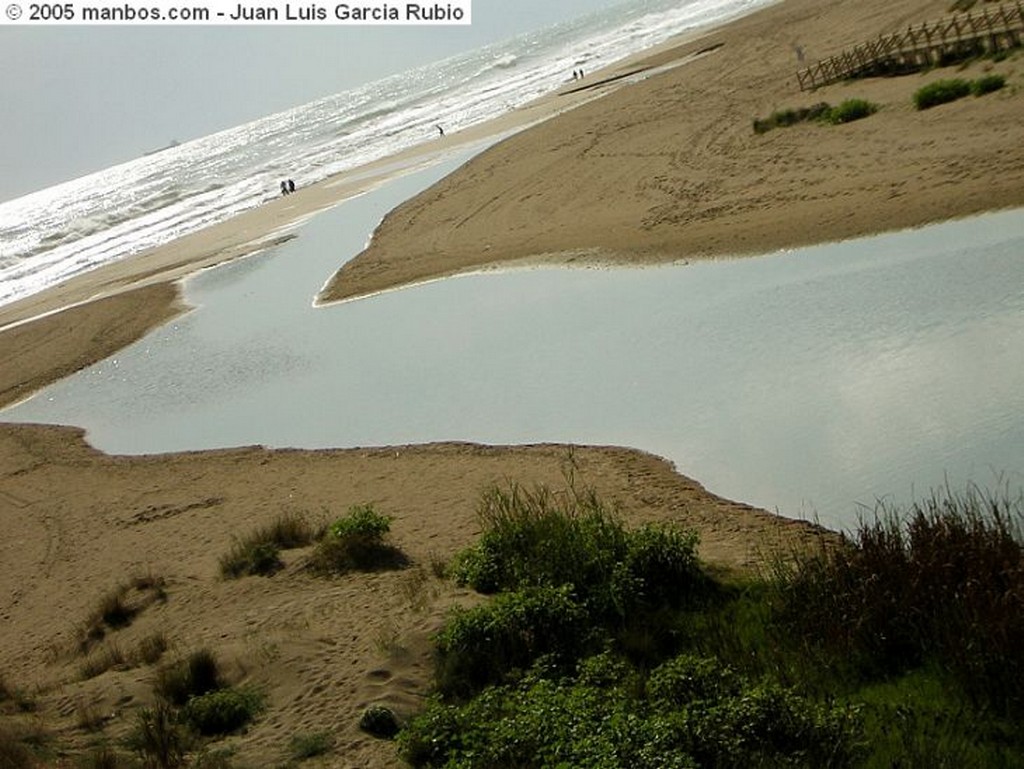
260 553
305 746
193 676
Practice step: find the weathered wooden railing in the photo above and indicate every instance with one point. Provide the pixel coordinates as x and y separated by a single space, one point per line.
930 44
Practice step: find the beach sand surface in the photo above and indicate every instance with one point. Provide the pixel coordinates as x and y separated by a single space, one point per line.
78 524
666 168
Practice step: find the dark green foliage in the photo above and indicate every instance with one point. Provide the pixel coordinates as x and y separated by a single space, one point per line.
850 110
193 676
540 538
303 746
987 84
542 721
486 644
944 583
941 92
222 711
380 721
898 647
357 542
572 577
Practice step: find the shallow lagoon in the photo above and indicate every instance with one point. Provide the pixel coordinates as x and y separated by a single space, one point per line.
811 382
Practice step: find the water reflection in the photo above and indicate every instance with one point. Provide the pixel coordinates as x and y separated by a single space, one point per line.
805 382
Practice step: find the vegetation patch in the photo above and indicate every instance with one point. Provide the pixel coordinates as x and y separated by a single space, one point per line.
380 721
260 552
941 92
608 647
847 112
850 110
305 746
787 117
357 542
193 676
118 608
222 711
987 84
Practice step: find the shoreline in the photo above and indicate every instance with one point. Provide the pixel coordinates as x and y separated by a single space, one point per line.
666 166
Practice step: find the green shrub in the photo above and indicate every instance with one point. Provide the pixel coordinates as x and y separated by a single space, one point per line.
987 84
193 676
222 711
544 721
484 645
535 538
850 110
788 117
357 542
941 92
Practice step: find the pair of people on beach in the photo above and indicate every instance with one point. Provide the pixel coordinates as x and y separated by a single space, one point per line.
577 74
287 187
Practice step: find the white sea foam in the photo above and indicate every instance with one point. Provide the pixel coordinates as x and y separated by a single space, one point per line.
53 234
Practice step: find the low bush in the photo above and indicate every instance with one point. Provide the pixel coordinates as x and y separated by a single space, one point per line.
572 721
539 538
941 92
486 644
222 711
380 721
193 676
357 542
987 84
850 110
787 117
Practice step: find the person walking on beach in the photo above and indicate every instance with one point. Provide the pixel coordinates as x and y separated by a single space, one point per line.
291 186
440 131
284 188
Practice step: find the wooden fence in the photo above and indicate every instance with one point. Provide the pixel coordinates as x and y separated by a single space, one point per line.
930 44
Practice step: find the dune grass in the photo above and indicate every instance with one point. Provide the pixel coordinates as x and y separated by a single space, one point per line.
118 608
260 552
896 648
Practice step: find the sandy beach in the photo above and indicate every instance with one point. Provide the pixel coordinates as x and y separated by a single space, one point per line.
664 166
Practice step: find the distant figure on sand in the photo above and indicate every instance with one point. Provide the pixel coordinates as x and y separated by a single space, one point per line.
439 130
291 186
284 188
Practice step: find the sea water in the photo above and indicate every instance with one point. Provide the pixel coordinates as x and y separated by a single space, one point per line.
812 382
53 234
